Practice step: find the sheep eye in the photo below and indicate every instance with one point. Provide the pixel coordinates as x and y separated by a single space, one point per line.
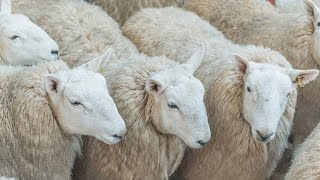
14 37
173 106
318 23
75 103
288 94
248 89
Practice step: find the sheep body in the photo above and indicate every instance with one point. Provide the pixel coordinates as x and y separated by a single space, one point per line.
305 164
33 145
234 154
121 10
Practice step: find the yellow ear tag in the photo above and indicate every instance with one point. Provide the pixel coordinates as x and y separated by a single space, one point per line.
299 82
102 70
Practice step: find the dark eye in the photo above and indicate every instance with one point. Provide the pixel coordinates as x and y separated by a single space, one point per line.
75 103
248 89
288 94
14 37
318 23
172 106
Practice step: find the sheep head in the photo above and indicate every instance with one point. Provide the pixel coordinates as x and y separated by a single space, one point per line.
23 42
178 103
81 103
266 90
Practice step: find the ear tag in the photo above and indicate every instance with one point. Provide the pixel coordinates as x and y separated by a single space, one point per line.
299 82
102 70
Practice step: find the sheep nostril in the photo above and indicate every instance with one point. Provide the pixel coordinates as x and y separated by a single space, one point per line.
202 143
118 136
55 52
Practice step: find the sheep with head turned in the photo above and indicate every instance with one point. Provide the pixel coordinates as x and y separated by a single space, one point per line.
44 111
295 35
23 42
86 32
162 104
250 97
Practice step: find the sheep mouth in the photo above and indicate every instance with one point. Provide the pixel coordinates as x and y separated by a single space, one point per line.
263 141
108 140
50 59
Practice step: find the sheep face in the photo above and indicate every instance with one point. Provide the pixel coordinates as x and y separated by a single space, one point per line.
266 91
23 42
178 107
82 105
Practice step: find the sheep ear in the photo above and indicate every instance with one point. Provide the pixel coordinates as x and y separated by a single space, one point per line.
155 84
312 9
241 64
99 62
53 84
5 7
195 60
305 76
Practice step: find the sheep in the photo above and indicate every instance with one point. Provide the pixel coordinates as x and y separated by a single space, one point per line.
305 164
240 93
87 30
121 10
295 35
45 109
23 42
159 92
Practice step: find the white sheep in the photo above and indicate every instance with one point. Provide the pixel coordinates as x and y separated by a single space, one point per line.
23 42
87 30
44 111
295 35
162 104
305 164
250 105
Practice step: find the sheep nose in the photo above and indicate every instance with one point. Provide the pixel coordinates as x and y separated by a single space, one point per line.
202 143
117 136
55 52
264 137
